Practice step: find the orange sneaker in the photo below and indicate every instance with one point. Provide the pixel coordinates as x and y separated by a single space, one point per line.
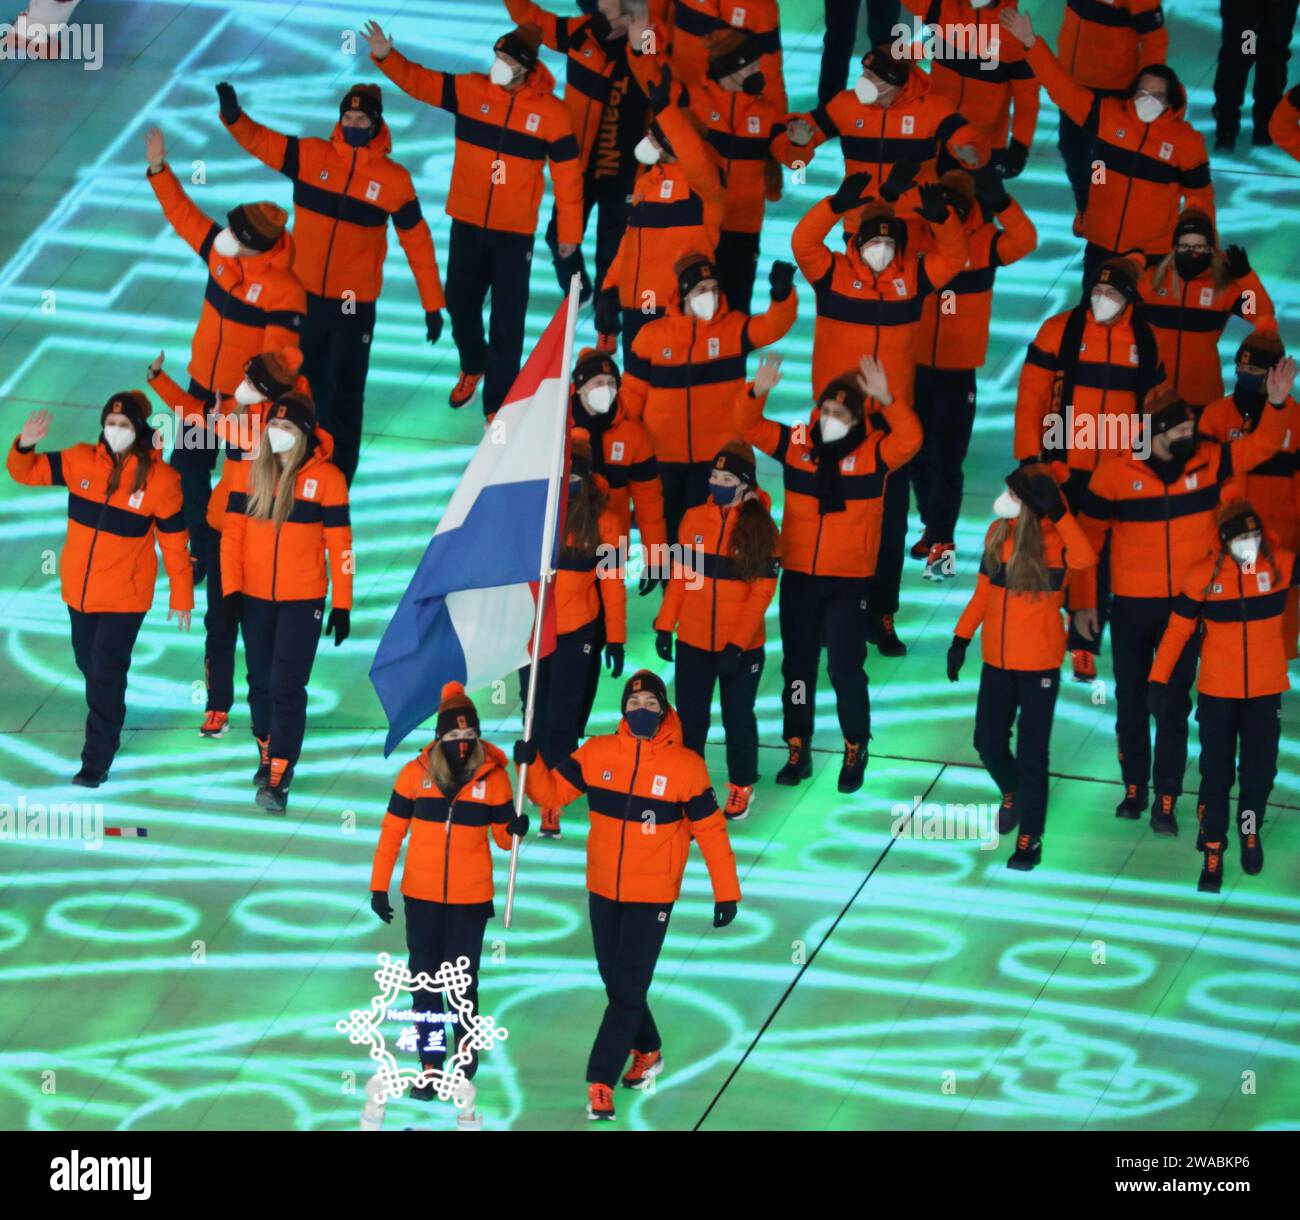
465 388
1084 665
215 724
646 1065
273 796
550 824
737 807
600 1102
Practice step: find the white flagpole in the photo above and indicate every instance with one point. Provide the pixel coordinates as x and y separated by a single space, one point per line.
547 571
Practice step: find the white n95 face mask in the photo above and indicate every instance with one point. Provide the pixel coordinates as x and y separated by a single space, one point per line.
1148 109
1245 550
1104 308
119 437
704 305
599 399
246 393
866 90
833 429
878 254
281 440
227 244
501 73
646 152
1006 506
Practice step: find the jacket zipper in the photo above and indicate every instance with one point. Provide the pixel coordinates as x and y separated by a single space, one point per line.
713 620
690 352
90 555
446 851
627 808
1245 639
1128 190
817 542
221 338
501 139
338 215
1169 557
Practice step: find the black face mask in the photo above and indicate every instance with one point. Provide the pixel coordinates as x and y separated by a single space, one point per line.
358 137
1182 449
753 85
1190 264
457 751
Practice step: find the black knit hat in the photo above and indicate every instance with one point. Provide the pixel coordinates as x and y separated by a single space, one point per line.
257 225
737 457
592 363
295 408
1166 409
1237 518
135 406
274 373
732 50
644 680
877 219
1261 349
691 270
455 711
521 45
881 63
1193 220
367 99
1121 274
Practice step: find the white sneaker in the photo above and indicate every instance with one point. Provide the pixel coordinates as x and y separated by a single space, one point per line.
468 1119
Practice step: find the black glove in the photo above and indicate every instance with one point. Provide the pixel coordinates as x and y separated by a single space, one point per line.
723 913
934 204
525 753
339 625
989 189
1041 492
433 324
232 606
229 102
781 280
661 91
956 657
1011 161
650 581
901 176
614 660
664 645
608 313
849 194
1238 263
381 906
729 659
1156 697
518 825
1293 96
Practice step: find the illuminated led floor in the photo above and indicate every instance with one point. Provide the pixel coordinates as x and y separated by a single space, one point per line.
869 981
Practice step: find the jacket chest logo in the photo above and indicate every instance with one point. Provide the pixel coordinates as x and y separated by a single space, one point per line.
849 462
668 353
1216 588
85 484
1133 353
660 785
909 124
666 189
753 124
533 122
900 287
738 18
715 346
1207 296
372 190
858 123
1166 151
1264 580
136 498
1119 133
428 783
479 791
616 451
699 539
607 776
324 175
715 117
309 489
254 291
1191 481
1137 484
484 108
857 284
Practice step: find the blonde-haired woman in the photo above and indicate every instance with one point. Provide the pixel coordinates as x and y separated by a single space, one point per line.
287 539
1030 553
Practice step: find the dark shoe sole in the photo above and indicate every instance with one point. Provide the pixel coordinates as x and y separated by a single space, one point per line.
1023 866
89 781
851 785
789 781
268 802
1209 885
1164 826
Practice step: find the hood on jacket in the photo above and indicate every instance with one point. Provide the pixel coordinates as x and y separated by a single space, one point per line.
278 258
381 143
539 81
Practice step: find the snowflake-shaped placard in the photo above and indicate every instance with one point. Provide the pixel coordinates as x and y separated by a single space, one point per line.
474 1031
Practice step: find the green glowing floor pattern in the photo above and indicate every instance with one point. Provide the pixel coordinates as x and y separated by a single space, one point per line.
869 982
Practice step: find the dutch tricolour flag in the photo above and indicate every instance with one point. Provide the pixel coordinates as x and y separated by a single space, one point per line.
470 610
